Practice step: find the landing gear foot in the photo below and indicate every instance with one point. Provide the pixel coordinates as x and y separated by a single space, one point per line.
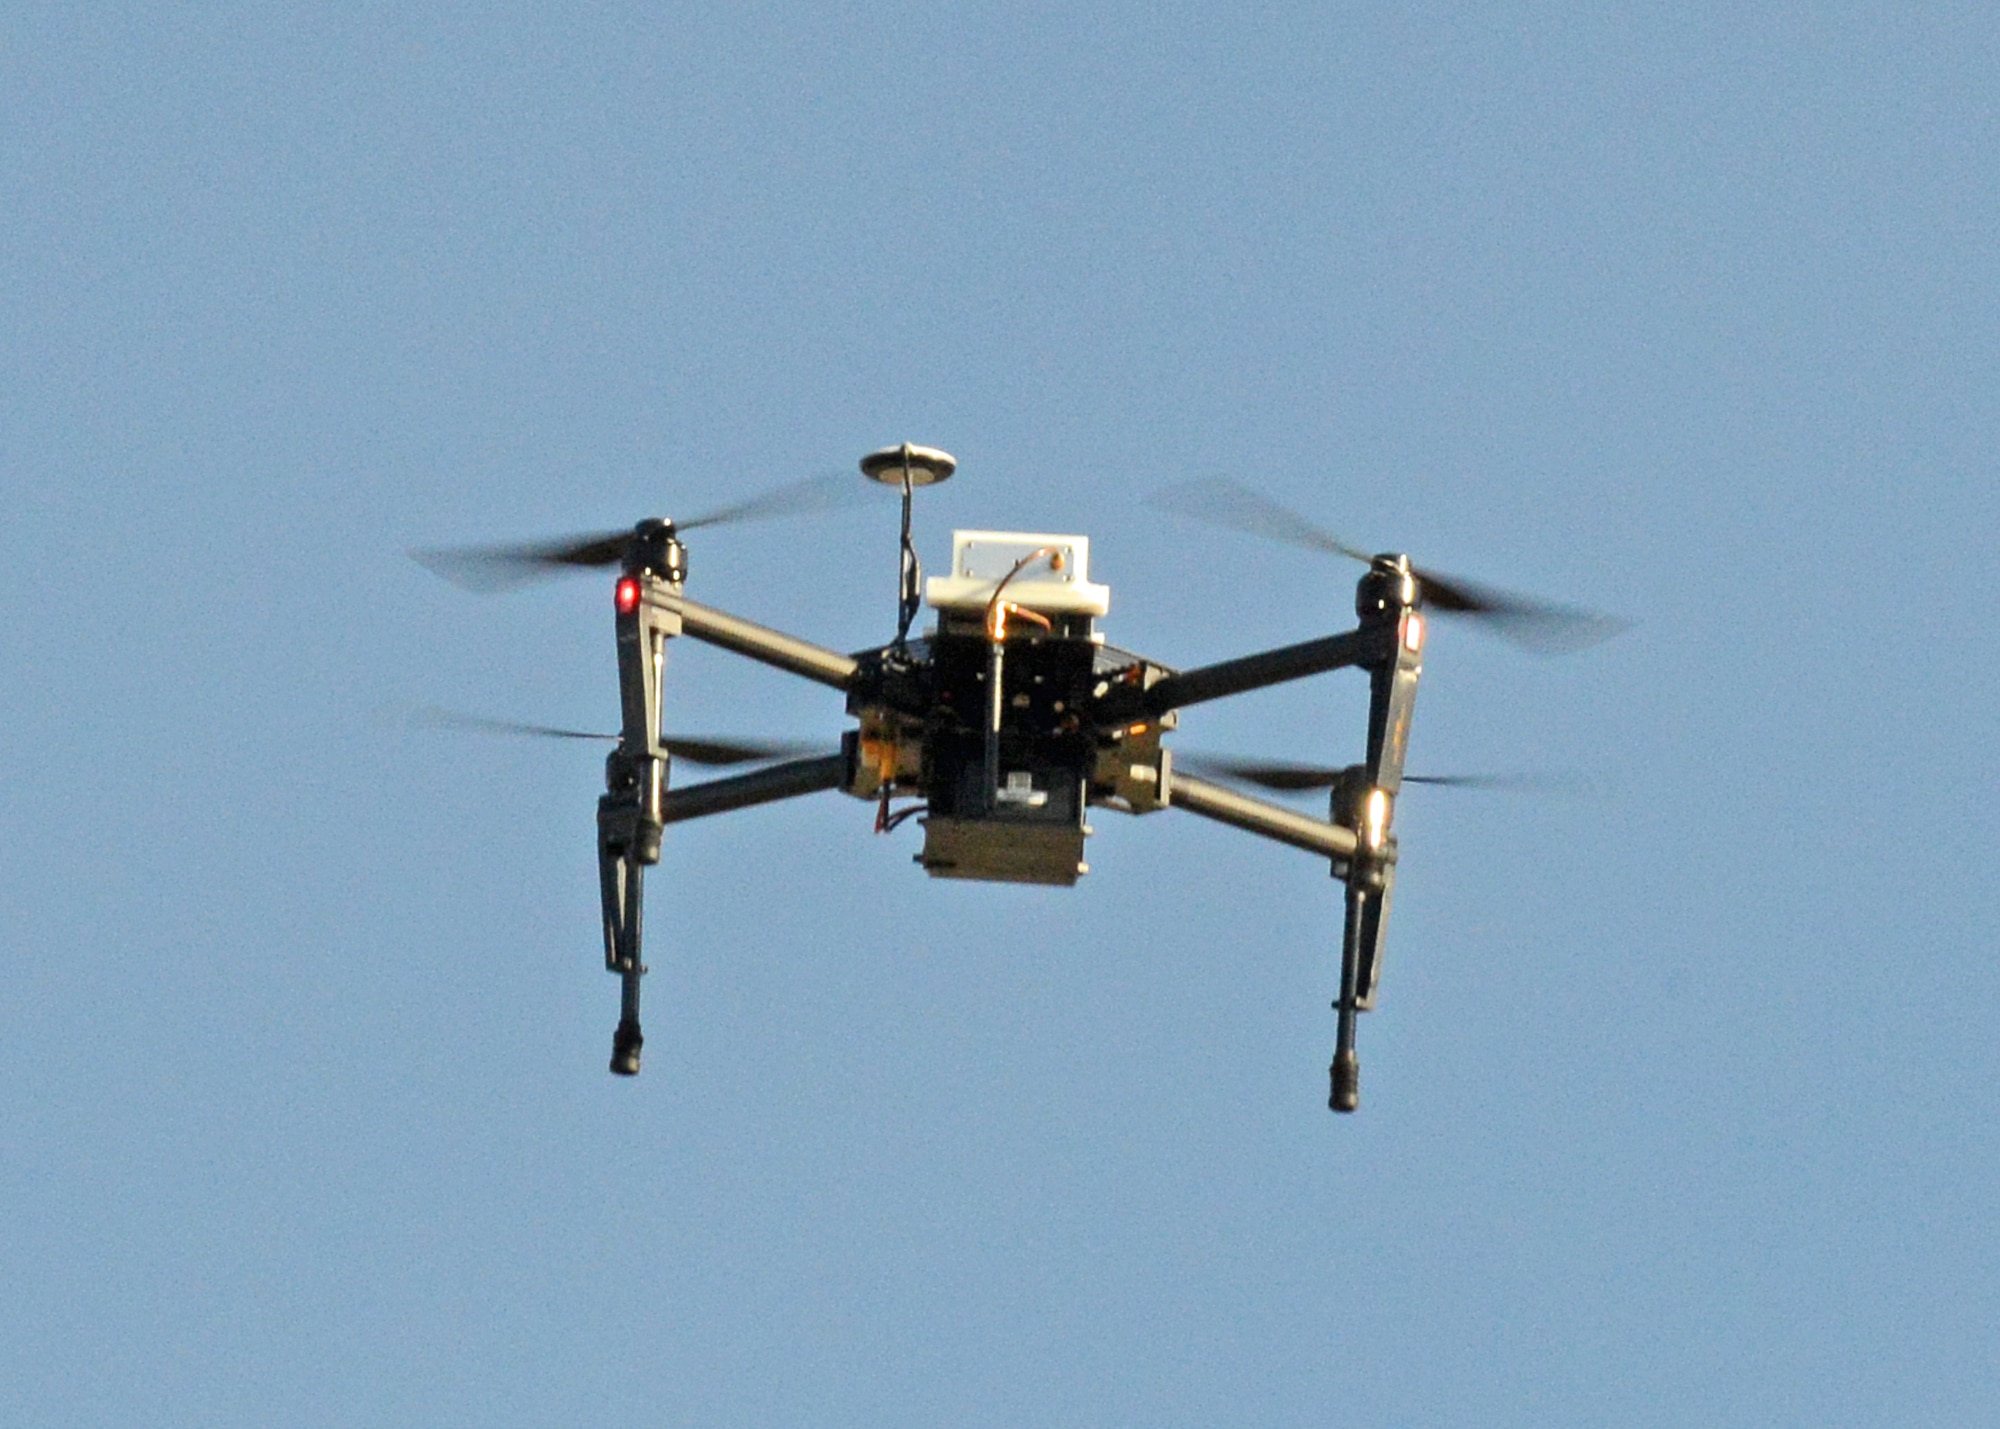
1346 1072
625 1045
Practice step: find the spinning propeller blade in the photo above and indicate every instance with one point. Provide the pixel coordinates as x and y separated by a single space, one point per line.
695 750
1533 624
740 751
1538 625
434 717
1221 502
1291 778
1300 778
496 568
829 491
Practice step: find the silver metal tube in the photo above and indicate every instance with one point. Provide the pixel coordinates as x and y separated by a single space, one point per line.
996 661
1226 806
772 647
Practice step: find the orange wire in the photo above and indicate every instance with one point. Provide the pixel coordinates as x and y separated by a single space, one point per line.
997 609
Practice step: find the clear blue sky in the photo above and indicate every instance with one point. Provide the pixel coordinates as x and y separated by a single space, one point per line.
1681 1104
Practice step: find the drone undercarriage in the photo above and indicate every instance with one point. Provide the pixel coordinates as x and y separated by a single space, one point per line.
1009 732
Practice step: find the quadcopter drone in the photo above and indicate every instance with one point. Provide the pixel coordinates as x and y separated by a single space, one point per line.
1011 717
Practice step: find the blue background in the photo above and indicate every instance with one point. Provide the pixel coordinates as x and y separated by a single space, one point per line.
1680 1105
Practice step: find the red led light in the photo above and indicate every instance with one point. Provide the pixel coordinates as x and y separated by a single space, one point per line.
628 596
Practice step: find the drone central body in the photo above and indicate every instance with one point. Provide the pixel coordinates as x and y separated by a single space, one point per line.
1009 719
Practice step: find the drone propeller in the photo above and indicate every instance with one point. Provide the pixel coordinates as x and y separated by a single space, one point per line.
1300 778
693 750
1534 624
496 568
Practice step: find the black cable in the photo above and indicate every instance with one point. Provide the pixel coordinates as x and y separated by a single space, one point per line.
911 592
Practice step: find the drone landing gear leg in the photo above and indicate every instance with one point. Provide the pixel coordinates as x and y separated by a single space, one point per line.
631 816
627 1039
1364 800
1346 1069
622 878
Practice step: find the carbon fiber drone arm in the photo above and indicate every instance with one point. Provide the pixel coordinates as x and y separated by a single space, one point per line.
1364 646
1258 816
760 786
770 647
